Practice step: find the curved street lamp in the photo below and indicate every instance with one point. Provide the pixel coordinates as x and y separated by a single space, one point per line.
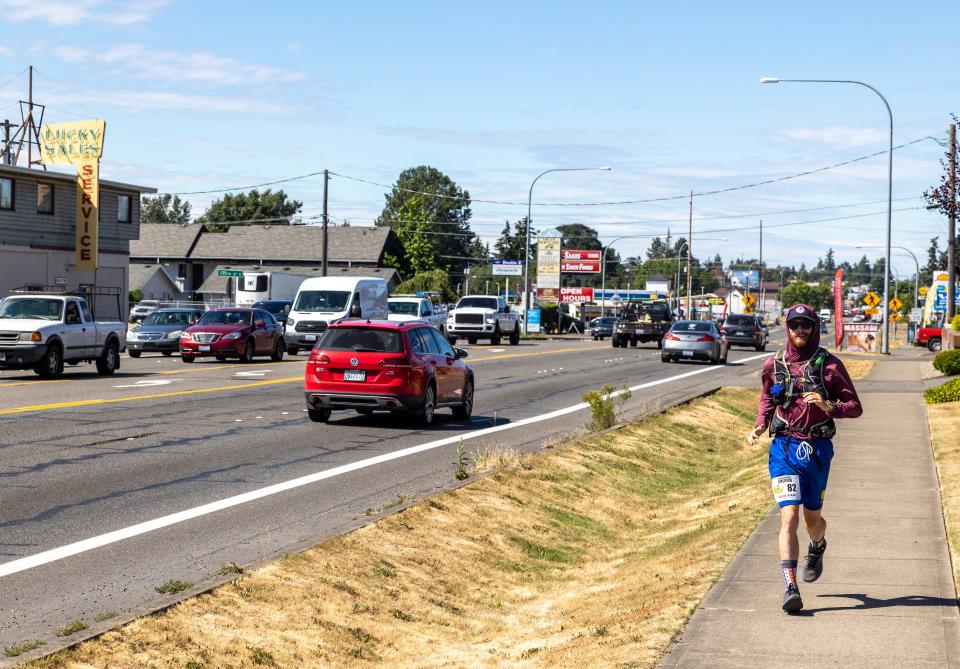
526 257
886 277
916 283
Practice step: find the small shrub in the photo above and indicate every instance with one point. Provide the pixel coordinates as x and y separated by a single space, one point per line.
260 656
173 587
106 615
947 362
72 628
20 649
604 406
955 323
947 392
461 463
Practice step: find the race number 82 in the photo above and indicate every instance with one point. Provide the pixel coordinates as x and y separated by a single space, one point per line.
786 488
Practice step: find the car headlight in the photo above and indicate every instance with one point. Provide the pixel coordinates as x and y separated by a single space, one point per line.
175 334
233 335
290 321
491 318
185 336
35 337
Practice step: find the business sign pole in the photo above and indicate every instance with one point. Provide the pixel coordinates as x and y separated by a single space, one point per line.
79 144
838 306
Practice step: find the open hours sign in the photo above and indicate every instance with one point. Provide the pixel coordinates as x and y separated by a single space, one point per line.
576 295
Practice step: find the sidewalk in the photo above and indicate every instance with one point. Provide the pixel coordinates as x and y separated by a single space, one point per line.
886 597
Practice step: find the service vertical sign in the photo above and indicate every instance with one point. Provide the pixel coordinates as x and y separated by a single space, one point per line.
79 144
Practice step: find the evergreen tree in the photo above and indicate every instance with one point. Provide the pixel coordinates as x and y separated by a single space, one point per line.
164 208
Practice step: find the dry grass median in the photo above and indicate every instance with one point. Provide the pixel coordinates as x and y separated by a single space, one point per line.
594 554
944 422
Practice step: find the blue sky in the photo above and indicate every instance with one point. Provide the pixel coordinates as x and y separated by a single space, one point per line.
207 95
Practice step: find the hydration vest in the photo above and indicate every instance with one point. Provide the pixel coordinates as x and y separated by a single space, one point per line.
812 381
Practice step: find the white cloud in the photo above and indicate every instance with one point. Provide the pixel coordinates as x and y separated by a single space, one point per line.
59 13
142 101
835 136
179 66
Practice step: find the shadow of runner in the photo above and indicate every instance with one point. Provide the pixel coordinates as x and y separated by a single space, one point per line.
868 602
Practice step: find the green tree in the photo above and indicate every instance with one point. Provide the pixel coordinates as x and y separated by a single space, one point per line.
269 207
512 244
801 292
431 216
164 208
433 281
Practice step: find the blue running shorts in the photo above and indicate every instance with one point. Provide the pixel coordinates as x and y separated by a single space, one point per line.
799 469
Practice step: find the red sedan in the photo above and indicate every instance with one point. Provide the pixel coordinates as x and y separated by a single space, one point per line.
381 365
233 333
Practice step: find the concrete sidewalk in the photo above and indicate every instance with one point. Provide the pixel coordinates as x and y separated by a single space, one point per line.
886 597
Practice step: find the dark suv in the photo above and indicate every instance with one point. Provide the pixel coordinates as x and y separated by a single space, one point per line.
744 330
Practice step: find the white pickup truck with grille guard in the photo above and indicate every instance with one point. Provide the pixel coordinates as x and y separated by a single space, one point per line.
483 317
404 309
43 331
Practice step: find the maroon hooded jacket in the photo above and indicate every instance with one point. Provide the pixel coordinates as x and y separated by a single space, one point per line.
800 415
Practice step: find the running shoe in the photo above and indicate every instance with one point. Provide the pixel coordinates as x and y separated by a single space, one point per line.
791 600
813 564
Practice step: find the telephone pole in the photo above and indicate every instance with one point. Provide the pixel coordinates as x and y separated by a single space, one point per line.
326 182
952 228
5 157
689 258
760 275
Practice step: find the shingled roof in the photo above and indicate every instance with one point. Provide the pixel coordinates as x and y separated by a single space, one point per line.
162 240
295 243
217 285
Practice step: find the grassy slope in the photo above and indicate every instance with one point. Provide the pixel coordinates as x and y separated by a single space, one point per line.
590 555
945 433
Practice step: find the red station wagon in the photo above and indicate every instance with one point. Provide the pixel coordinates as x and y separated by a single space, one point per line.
233 333
381 365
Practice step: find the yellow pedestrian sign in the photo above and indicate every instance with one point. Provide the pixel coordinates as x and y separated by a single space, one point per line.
749 300
748 310
895 304
871 299
923 291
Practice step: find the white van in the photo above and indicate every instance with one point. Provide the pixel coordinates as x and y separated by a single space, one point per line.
825 315
323 300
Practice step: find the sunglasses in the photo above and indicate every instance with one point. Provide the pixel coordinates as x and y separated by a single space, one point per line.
800 325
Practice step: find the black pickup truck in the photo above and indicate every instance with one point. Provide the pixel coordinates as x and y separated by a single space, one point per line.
643 322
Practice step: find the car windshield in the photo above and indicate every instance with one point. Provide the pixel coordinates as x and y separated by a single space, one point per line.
740 321
31 307
322 300
658 311
478 302
607 320
225 318
176 318
275 307
361 339
691 326
405 308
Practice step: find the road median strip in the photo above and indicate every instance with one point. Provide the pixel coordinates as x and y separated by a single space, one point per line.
588 555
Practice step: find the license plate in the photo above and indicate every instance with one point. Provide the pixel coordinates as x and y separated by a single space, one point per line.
688 353
204 349
309 337
354 375
739 333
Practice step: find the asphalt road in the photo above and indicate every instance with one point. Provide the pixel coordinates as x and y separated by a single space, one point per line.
88 458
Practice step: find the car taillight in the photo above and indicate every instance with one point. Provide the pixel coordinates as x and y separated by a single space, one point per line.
395 363
707 338
671 337
758 331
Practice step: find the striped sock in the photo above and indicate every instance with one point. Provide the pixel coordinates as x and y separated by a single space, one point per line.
789 569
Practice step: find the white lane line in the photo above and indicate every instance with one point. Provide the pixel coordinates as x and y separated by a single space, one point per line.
55 554
148 383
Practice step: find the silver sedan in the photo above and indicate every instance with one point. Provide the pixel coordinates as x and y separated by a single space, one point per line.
694 340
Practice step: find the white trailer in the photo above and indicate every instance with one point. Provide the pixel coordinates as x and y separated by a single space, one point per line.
253 287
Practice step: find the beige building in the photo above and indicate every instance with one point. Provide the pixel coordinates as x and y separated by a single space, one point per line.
38 236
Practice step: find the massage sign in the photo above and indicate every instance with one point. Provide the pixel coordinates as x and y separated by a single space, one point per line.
79 144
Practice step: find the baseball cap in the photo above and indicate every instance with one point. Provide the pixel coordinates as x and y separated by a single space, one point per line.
801 311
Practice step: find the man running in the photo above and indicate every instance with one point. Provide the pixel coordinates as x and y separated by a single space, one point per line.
804 390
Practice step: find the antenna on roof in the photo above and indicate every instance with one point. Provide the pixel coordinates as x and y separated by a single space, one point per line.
28 133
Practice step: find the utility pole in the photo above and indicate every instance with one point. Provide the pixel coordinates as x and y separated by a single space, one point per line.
5 154
952 228
760 280
30 117
688 315
326 229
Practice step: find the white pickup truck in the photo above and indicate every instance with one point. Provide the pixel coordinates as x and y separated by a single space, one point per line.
43 331
405 309
483 317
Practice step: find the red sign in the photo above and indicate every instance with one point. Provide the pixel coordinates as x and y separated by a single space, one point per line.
569 295
589 267
838 304
580 255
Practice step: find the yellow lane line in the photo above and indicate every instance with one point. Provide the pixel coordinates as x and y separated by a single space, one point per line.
31 383
216 367
256 384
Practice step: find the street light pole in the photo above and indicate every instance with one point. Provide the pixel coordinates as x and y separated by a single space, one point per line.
886 277
916 282
526 262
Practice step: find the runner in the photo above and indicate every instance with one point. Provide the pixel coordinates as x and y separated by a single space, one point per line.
804 389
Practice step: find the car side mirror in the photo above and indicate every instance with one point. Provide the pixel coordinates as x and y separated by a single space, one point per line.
355 311
461 353
260 324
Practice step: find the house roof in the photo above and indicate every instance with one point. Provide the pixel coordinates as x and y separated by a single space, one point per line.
71 178
217 285
140 275
294 243
164 240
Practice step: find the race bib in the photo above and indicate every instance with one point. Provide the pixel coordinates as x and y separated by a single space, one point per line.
786 488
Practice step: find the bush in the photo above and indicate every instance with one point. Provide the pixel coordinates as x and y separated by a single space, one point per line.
947 362
605 407
948 392
955 324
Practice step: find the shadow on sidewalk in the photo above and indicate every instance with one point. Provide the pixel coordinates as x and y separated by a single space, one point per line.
868 602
